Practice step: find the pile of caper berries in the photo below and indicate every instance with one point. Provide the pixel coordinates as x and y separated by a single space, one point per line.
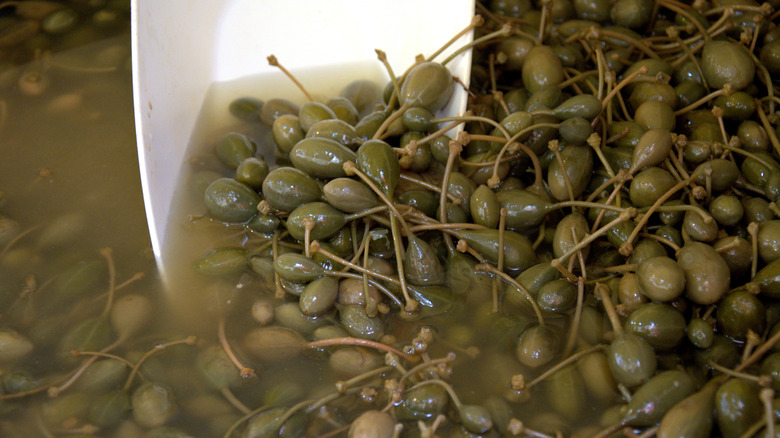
598 247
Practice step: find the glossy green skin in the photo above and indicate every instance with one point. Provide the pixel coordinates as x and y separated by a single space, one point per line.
725 62
233 148
313 112
423 200
275 108
537 346
692 417
631 133
518 253
724 173
739 106
655 398
231 201
321 157
699 229
287 187
700 333
646 91
344 109
631 360
214 365
546 97
421 265
297 267
707 276
651 148
581 105
541 67
327 221
661 325
428 85
349 195
578 165
565 392
768 278
379 162
222 261
737 406
336 130
358 324
318 296
575 130
739 312
252 172
422 402
153 404
726 209
484 207
246 108
769 241
649 185
524 209
557 296
287 131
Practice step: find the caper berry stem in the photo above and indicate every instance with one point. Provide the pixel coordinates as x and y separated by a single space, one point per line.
575 322
447 387
752 229
602 292
316 248
330 342
726 90
107 254
245 371
429 186
476 21
487 267
640 71
624 215
673 7
390 119
767 395
767 127
376 284
739 375
189 340
504 31
342 385
500 264
706 217
275 63
570 359
455 148
627 247
231 398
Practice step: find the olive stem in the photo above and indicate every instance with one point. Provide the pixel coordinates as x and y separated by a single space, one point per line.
245 371
601 291
627 247
487 267
563 364
275 63
189 340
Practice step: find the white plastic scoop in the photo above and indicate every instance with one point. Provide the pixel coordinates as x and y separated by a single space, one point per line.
180 47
